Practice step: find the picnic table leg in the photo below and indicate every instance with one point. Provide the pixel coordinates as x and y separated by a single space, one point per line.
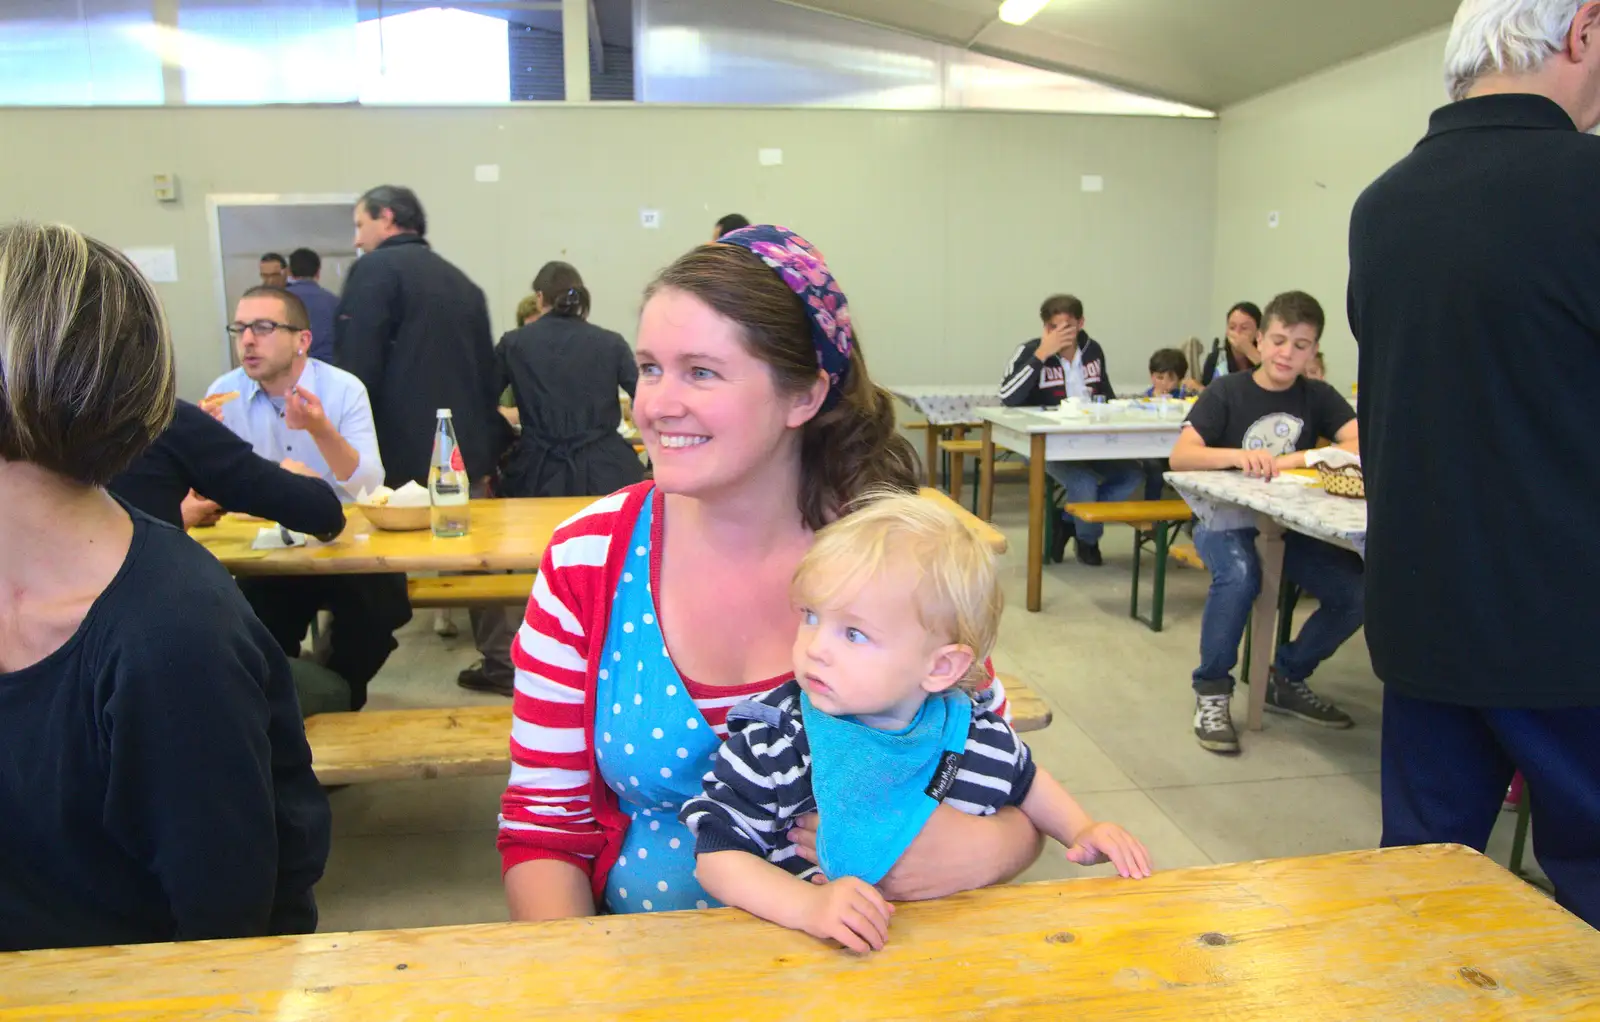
930 459
1269 551
986 475
958 475
1035 520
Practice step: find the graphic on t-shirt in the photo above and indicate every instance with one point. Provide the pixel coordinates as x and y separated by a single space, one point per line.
1052 376
1277 432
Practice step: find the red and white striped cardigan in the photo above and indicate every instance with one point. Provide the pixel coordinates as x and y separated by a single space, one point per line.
555 805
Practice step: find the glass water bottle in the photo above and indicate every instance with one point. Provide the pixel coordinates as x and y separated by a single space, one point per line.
447 481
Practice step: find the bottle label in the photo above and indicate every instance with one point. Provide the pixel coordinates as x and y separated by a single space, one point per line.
455 460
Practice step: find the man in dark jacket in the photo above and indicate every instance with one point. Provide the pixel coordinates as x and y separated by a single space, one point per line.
305 272
1474 264
1065 362
416 332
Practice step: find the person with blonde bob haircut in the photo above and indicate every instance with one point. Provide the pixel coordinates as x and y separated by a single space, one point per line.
1473 296
156 783
884 721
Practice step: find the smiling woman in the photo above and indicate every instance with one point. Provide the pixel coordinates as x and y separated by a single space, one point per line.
663 605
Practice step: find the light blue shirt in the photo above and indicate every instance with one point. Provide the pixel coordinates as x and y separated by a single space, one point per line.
256 419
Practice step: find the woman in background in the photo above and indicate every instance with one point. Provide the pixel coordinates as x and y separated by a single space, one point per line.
565 373
1244 326
156 783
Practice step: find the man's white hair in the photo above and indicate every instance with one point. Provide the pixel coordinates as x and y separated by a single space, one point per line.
1507 36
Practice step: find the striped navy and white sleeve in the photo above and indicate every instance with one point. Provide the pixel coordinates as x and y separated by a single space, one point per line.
758 784
1021 381
996 769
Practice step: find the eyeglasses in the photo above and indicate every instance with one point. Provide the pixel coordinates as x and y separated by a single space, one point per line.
261 328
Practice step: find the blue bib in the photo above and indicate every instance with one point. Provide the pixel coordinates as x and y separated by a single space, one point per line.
876 789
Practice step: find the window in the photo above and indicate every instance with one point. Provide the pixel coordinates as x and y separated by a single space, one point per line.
93 53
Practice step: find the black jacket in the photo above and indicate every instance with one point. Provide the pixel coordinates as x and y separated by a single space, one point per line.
1475 297
416 332
1028 381
565 373
1220 350
196 452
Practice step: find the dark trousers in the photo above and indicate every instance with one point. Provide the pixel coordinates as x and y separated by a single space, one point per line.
366 611
1445 771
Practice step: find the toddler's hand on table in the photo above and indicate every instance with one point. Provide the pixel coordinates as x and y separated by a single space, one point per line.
1107 842
850 911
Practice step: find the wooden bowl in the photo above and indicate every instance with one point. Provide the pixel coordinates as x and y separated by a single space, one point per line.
397 519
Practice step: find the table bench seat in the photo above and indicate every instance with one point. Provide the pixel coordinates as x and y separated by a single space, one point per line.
470 590
1152 521
462 741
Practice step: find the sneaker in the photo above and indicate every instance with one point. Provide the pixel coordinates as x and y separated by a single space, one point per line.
1089 553
443 626
473 679
1297 700
1058 539
1213 724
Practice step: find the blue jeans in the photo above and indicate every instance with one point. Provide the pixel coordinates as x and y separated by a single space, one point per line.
1445 770
1330 574
1090 481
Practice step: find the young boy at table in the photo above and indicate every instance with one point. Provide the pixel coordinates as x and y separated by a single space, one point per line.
1262 423
1065 362
899 606
1169 377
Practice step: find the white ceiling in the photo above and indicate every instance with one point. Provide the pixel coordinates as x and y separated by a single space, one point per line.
1210 53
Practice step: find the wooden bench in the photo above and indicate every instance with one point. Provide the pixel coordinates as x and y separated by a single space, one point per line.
1151 521
957 451
463 741
470 590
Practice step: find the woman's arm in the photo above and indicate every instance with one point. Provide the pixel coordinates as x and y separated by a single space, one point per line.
541 889
549 836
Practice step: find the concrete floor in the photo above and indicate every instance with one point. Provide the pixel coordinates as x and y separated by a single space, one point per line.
422 853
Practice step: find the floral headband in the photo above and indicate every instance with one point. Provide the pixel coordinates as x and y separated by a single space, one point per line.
800 266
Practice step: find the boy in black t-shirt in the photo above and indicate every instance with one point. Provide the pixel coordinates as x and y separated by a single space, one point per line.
1262 423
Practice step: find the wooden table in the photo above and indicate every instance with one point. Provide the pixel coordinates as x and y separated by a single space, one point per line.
1436 932
1042 436
506 535
948 408
1273 507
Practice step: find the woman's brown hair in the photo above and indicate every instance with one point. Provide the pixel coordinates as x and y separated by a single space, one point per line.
846 450
86 377
562 290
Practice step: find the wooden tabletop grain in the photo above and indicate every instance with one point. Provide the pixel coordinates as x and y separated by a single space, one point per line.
506 535
1436 932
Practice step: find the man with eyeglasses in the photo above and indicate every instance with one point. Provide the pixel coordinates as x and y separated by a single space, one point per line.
297 410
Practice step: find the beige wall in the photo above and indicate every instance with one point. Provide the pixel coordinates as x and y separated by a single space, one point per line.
946 228
1307 151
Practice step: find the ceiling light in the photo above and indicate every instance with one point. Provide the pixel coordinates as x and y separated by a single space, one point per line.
1016 12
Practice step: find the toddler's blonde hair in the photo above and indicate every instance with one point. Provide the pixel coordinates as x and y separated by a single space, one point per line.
955 587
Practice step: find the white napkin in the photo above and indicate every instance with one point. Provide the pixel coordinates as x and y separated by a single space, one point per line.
412 494
272 539
1333 457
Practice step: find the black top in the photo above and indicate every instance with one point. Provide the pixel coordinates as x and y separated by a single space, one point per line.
1222 351
1032 381
1475 298
197 452
1238 413
564 374
156 782
416 332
